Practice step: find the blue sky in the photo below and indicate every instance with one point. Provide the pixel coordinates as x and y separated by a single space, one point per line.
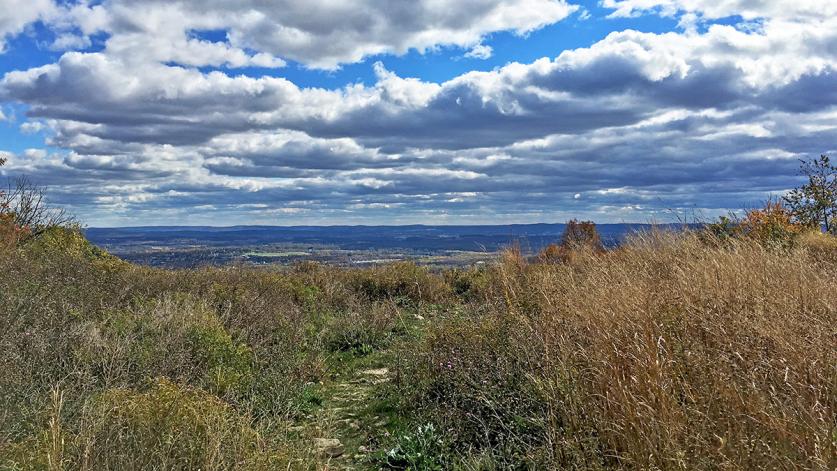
483 111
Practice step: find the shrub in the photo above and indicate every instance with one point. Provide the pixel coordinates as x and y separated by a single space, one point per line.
401 281
165 427
361 333
771 226
227 365
581 234
577 237
472 379
23 207
470 284
423 450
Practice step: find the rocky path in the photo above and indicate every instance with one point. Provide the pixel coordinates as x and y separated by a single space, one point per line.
346 424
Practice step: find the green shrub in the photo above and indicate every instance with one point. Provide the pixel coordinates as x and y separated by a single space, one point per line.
165 427
362 333
422 450
227 365
401 280
472 379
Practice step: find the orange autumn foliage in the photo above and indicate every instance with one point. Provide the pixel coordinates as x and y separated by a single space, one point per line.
771 224
578 236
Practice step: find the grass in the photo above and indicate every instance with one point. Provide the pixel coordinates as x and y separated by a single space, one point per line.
664 354
671 352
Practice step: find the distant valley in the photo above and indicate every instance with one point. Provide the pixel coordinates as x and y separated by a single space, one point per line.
190 246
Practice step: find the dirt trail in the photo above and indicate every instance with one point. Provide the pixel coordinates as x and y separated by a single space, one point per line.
346 421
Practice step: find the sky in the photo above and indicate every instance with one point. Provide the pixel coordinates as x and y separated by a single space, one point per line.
284 112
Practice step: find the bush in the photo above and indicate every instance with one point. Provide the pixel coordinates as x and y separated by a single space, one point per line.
401 281
578 237
362 333
165 427
771 226
423 450
581 234
472 379
227 365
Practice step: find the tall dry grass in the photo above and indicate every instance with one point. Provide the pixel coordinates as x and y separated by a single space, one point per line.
665 354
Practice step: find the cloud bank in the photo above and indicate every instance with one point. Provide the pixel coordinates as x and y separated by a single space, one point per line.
708 117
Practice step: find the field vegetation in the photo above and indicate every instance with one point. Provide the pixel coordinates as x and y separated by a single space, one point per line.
696 349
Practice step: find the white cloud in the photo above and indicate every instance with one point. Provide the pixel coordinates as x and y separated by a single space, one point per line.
480 51
633 121
317 33
69 41
714 9
32 127
16 14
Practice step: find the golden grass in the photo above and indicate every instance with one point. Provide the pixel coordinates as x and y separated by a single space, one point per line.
664 354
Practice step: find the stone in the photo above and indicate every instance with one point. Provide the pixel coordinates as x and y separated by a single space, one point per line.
328 447
376 372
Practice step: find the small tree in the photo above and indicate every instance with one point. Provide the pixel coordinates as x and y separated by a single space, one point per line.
772 225
815 203
10 233
580 234
24 213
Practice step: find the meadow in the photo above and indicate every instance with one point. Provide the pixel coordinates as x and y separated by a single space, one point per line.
677 350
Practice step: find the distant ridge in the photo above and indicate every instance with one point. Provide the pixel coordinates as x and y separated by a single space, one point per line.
416 236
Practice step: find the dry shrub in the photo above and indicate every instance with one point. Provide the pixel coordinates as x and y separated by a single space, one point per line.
664 354
579 236
404 282
10 233
772 226
166 426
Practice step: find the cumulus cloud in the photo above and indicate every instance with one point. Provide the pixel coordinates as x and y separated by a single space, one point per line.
480 51
15 15
714 9
318 33
633 124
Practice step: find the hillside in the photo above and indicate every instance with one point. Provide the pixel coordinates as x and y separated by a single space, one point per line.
674 351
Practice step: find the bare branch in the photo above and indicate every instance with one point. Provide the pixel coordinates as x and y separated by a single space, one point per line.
24 205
